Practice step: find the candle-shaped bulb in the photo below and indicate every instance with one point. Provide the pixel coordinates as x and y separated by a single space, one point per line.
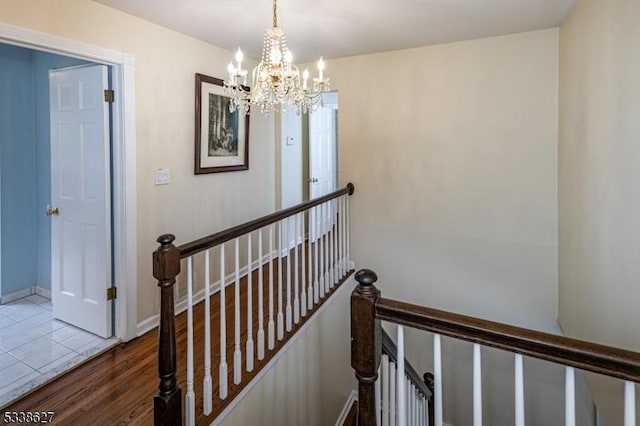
231 69
320 68
305 77
239 56
288 56
276 56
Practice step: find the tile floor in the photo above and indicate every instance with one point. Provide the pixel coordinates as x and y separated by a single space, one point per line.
34 347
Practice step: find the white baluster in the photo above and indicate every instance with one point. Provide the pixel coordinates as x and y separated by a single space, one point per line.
223 329
306 299
337 218
316 260
249 348
392 394
280 295
437 380
237 354
296 280
287 241
385 389
207 390
271 328
260 299
190 397
519 391
327 260
409 397
343 239
348 237
629 403
332 273
569 397
334 246
477 385
321 277
309 267
401 388
414 410
343 269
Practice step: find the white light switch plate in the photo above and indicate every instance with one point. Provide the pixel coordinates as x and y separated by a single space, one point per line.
163 177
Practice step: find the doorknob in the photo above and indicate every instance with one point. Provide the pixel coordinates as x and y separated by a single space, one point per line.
52 211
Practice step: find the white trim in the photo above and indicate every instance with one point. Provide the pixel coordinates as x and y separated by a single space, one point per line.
41 291
348 285
12 297
29 291
124 156
353 397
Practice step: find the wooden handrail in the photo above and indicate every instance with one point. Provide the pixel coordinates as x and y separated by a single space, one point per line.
368 308
201 244
607 360
389 347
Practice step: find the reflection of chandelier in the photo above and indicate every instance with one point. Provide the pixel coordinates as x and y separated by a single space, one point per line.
276 81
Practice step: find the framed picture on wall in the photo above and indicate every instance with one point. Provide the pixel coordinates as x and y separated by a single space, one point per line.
222 137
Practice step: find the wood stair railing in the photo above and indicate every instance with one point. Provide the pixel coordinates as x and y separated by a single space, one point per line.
368 309
285 276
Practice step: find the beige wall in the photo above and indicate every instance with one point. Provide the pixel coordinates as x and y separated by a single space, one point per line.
452 149
312 380
599 155
191 206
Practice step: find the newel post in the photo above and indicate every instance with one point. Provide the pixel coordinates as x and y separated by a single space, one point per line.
366 344
167 403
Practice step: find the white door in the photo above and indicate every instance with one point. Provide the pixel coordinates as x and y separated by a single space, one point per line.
322 158
80 191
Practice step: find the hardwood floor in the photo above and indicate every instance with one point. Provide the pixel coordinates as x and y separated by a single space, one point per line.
352 417
117 388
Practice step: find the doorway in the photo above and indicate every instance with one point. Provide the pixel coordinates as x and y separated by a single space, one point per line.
123 165
307 164
34 345
123 211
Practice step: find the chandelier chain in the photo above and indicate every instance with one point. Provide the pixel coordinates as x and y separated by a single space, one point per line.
275 16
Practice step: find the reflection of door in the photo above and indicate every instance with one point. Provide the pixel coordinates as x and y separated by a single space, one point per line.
80 191
322 156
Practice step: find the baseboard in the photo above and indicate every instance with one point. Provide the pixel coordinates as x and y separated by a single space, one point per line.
353 397
345 286
12 297
29 291
42 292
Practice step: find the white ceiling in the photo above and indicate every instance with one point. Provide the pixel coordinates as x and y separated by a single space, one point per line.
338 28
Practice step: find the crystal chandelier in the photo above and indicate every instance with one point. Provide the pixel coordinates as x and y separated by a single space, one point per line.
276 80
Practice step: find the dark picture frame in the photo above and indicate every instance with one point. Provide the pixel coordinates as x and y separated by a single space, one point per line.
221 137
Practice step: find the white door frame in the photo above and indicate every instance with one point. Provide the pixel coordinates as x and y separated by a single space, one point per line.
124 160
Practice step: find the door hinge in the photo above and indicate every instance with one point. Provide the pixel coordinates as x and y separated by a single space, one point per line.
109 95
112 293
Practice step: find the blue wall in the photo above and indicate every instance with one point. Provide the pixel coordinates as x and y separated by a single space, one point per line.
17 169
25 166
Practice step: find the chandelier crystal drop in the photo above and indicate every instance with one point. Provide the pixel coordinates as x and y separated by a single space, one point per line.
276 83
